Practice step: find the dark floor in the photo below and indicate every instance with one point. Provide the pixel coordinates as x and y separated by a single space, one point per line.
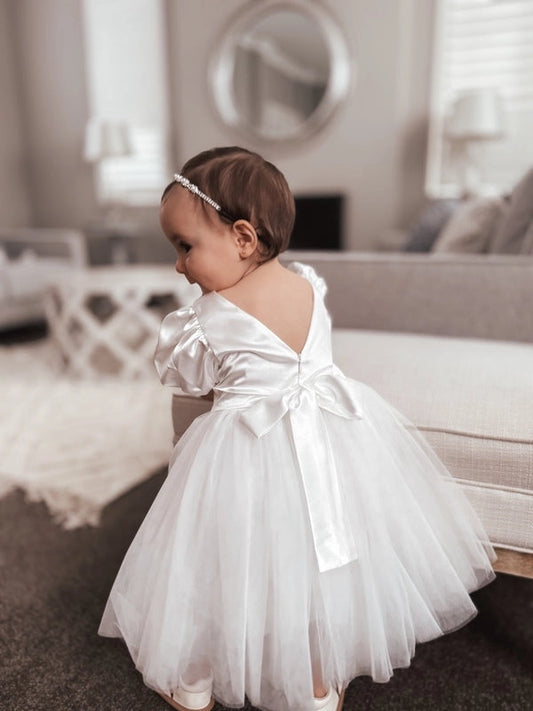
54 584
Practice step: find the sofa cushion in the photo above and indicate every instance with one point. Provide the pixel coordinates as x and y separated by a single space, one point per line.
471 228
429 223
472 398
512 230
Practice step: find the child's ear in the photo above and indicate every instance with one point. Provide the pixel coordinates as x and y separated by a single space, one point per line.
245 238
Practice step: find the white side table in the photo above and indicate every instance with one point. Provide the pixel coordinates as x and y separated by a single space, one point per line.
105 320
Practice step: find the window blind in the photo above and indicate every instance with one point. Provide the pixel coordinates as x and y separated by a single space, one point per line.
483 44
139 178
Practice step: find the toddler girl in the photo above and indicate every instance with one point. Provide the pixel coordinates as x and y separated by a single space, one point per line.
306 532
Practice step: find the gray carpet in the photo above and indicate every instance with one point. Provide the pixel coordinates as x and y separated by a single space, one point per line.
54 584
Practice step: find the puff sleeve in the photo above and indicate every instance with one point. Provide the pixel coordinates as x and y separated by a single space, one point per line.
183 357
308 272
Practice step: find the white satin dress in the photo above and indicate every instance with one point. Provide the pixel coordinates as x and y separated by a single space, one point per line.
304 521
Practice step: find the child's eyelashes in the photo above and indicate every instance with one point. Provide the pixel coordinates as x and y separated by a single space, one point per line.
180 244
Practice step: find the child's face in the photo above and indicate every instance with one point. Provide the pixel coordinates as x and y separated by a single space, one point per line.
208 252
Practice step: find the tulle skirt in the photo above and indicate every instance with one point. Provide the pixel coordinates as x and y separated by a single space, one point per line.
222 573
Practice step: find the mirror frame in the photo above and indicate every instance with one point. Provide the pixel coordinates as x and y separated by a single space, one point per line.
222 66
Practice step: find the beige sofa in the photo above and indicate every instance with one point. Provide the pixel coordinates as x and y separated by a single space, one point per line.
449 341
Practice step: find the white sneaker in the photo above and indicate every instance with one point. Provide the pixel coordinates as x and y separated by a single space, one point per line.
332 701
192 697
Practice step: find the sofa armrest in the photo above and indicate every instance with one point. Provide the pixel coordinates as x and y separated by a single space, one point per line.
31 259
476 296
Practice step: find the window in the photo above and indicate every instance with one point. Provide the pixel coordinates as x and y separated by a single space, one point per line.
127 82
482 44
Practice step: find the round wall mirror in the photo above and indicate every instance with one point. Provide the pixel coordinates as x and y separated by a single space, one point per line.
280 70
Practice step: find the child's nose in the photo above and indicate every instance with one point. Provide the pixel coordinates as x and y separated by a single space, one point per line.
179 265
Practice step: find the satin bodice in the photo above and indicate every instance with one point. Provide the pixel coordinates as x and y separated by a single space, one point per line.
219 346
253 360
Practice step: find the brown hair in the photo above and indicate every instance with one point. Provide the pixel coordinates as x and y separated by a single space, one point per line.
246 186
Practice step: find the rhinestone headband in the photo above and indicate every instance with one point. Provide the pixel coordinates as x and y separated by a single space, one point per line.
195 190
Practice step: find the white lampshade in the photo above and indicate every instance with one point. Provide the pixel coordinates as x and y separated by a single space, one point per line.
476 115
106 139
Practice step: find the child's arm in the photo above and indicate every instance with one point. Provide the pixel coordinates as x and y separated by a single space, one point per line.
183 357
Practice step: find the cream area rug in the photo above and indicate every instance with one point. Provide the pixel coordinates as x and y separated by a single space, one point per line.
77 444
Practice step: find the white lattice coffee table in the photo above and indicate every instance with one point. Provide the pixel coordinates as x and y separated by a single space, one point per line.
105 321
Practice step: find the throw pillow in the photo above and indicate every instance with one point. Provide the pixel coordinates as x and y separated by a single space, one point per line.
471 227
509 235
430 222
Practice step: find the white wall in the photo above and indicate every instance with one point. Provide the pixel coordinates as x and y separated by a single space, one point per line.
374 148
15 209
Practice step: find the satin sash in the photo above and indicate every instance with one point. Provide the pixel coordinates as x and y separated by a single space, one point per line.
333 538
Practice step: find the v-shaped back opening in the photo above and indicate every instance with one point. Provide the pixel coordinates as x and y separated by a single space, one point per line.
268 329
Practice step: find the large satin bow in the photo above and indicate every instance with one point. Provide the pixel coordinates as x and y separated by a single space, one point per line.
332 533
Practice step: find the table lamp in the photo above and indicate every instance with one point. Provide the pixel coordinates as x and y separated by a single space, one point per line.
476 116
106 140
